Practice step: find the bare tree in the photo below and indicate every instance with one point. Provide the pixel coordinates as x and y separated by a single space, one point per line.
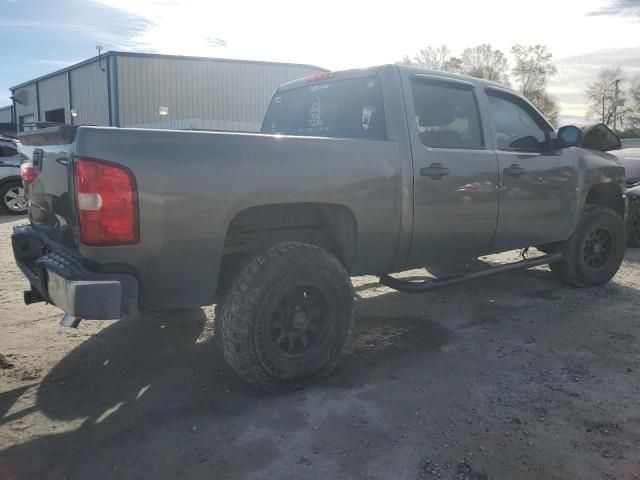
601 94
433 58
633 119
532 69
482 61
546 105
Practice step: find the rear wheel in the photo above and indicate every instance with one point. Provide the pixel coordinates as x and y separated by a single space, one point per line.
593 254
286 317
12 199
633 226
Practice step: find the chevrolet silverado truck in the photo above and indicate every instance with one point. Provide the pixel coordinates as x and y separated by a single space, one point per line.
372 171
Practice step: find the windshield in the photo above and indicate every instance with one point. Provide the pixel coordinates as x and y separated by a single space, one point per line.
349 108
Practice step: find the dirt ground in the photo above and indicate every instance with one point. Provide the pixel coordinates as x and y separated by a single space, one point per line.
513 377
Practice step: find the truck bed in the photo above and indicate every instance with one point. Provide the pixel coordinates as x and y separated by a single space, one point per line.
192 185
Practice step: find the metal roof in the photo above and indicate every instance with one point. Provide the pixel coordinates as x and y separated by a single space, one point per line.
157 55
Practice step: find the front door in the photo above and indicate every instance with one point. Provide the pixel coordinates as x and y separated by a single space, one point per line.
455 174
538 195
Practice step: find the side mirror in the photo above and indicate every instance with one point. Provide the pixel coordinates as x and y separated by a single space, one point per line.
569 136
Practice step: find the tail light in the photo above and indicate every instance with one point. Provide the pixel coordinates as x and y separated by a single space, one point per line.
318 76
27 173
107 201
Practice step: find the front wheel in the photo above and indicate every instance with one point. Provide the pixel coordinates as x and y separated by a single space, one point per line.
12 199
286 317
594 252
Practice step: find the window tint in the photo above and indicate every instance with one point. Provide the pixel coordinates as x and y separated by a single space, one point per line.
447 115
517 127
349 108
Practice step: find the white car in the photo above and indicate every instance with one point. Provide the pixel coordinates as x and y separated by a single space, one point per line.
12 199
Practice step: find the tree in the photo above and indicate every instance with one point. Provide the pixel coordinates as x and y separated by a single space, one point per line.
547 106
532 69
433 58
633 121
601 93
482 61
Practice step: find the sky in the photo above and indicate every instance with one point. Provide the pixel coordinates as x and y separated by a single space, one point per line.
41 36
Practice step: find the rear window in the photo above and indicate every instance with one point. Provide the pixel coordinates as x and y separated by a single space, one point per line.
350 108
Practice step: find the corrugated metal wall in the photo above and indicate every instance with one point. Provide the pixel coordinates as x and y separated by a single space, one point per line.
54 94
200 94
5 114
31 105
89 92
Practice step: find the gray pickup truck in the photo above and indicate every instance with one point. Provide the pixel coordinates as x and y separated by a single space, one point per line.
370 171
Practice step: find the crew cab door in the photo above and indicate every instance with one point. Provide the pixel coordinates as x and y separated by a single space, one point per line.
455 174
538 196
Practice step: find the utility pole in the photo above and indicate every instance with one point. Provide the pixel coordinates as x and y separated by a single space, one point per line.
615 104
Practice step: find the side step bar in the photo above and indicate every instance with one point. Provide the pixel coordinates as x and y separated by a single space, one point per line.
432 284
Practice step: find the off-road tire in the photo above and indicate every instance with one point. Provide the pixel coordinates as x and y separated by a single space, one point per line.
248 308
633 226
574 269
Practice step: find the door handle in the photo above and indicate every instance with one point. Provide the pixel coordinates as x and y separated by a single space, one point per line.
436 171
514 170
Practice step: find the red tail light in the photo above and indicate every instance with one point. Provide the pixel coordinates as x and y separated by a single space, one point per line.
27 173
107 201
318 76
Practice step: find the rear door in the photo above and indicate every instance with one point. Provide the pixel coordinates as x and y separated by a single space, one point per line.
455 174
538 195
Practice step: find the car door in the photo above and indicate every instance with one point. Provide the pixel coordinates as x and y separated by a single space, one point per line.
538 195
455 174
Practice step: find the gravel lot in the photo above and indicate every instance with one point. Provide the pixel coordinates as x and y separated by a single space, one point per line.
513 377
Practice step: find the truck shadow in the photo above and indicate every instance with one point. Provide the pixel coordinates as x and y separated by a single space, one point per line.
154 377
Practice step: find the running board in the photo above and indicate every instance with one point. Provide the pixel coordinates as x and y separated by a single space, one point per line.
432 284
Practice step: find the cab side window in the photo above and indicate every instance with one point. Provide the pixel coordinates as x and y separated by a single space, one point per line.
447 115
518 127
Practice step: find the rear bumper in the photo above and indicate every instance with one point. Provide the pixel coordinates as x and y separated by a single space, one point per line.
60 278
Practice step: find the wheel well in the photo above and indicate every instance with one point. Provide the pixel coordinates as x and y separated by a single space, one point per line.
6 180
607 195
332 227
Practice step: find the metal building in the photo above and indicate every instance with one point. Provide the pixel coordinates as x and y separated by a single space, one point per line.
6 114
155 91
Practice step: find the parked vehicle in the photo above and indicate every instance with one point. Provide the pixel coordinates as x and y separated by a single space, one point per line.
367 171
630 158
12 199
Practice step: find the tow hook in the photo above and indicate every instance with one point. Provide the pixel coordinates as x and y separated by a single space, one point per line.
70 321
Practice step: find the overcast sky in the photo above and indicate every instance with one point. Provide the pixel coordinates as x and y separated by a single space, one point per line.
40 36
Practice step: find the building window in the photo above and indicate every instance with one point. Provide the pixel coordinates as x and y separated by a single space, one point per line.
55 116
